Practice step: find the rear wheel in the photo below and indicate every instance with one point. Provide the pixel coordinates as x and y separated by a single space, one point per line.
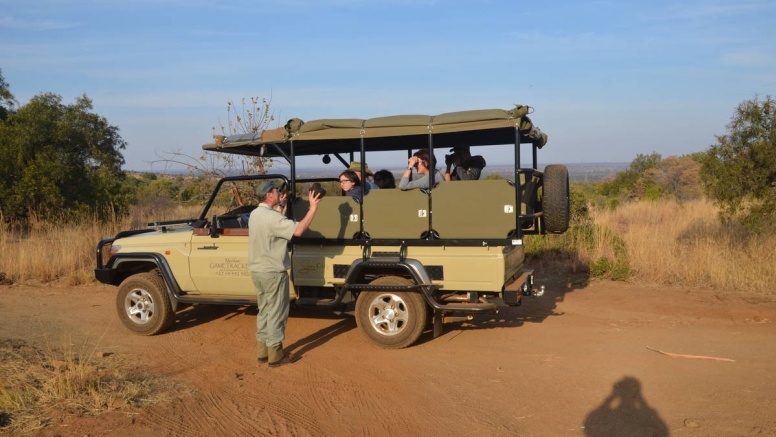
391 319
555 199
143 305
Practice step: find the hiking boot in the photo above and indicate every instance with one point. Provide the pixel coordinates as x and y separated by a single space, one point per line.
262 352
287 359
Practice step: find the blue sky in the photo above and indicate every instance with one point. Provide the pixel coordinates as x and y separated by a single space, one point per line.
608 79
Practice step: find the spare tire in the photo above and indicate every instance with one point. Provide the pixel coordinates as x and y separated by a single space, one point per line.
555 199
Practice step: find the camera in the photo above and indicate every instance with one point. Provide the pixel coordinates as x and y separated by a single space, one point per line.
317 189
449 159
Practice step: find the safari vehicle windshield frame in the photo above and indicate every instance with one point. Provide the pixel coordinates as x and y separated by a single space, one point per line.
356 137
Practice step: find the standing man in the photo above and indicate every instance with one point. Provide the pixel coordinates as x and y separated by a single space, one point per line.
268 234
467 167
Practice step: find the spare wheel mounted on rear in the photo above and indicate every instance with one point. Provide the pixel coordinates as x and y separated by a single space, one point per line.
555 199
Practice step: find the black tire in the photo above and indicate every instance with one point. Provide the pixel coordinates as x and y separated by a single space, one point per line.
555 199
391 319
143 304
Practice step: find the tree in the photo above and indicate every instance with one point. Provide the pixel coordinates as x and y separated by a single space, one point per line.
650 177
59 158
739 172
679 177
630 183
253 117
7 101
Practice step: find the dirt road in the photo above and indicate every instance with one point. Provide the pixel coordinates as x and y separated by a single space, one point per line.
573 363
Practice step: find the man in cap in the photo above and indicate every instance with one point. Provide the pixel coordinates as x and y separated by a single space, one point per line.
467 167
268 234
356 167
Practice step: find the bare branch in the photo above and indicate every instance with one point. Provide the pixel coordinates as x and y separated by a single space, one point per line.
253 116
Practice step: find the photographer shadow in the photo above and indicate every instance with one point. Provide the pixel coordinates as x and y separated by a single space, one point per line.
625 412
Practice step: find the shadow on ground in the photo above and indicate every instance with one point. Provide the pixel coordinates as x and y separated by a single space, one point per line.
532 309
625 412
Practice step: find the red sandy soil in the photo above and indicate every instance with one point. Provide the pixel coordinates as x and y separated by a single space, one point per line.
575 362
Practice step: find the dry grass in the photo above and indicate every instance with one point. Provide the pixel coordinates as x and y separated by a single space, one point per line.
661 243
45 251
684 244
37 384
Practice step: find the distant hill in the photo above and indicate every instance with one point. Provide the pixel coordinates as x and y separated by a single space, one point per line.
581 173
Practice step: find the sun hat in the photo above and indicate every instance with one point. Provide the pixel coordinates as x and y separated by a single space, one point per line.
356 166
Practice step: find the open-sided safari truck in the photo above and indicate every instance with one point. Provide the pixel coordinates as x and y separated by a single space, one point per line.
396 259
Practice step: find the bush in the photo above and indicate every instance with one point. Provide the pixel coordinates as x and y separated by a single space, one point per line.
56 157
739 172
605 268
578 200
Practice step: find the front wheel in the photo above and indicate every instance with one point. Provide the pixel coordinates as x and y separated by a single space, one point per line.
391 319
143 304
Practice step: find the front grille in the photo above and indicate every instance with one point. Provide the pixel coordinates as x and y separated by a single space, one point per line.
105 252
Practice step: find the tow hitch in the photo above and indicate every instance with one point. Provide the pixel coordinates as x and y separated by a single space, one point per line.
521 286
530 291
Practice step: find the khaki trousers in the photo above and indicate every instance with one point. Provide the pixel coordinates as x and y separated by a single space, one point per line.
273 303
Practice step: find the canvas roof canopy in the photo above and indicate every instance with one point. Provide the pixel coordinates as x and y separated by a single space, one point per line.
398 132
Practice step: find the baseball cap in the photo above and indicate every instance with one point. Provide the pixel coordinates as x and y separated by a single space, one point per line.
265 187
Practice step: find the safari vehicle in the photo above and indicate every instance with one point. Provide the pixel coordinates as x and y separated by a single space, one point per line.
397 260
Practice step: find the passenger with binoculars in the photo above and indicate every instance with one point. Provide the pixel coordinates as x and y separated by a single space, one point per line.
467 167
423 162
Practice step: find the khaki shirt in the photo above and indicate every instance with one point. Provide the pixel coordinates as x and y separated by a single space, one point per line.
268 235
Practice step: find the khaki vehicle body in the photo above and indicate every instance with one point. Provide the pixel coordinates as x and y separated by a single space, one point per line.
395 259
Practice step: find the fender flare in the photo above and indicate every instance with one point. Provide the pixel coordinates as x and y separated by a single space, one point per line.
412 267
173 289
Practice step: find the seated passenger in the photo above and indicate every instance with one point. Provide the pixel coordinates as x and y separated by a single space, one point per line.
384 179
467 167
423 162
355 167
351 184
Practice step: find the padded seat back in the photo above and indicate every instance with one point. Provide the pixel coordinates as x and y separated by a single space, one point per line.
396 214
483 209
337 217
